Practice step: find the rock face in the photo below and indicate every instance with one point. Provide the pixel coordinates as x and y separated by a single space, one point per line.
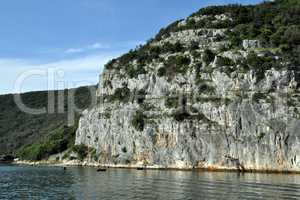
204 110
251 44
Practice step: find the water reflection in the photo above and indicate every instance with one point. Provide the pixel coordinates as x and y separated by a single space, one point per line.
33 183
86 183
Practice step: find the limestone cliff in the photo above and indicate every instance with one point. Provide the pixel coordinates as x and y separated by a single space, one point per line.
191 98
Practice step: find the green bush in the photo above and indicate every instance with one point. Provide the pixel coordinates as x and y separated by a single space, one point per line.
181 116
292 36
138 121
32 153
166 31
94 155
172 48
276 38
154 52
140 96
191 23
134 70
220 24
194 45
208 56
172 102
224 61
184 115
261 64
81 150
162 71
121 94
177 64
261 136
262 96
142 54
204 88
182 61
243 67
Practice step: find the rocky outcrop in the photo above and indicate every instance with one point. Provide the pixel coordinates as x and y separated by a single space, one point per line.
201 113
251 44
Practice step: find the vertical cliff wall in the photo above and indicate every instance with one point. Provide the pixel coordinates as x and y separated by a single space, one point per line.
192 98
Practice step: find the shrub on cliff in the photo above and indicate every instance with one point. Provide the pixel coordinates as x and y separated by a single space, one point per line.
134 71
172 48
81 150
194 45
121 94
177 64
154 52
256 97
224 61
138 121
141 96
261 64
162 71
164 32
172 102
181 116
204 88
208 56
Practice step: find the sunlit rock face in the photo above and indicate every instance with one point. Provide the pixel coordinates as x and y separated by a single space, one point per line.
197 110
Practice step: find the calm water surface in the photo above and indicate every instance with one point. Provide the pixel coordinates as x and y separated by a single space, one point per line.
17 182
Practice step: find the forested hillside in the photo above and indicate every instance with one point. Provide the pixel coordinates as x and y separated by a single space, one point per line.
18 129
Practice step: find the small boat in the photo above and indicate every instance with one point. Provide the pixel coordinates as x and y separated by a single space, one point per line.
101 169
140 168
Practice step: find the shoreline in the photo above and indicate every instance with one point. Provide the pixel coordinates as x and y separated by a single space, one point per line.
153 167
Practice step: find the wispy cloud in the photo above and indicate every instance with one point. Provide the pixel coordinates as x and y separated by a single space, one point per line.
72 50
103 46
91 47
99 46
77 72
81 66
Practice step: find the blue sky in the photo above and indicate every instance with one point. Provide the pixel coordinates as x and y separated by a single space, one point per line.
78 36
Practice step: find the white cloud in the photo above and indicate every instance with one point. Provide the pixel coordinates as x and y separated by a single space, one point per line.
95 46
72 50
92 62
99 46
82 71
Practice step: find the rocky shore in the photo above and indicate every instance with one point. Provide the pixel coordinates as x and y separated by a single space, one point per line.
66 163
